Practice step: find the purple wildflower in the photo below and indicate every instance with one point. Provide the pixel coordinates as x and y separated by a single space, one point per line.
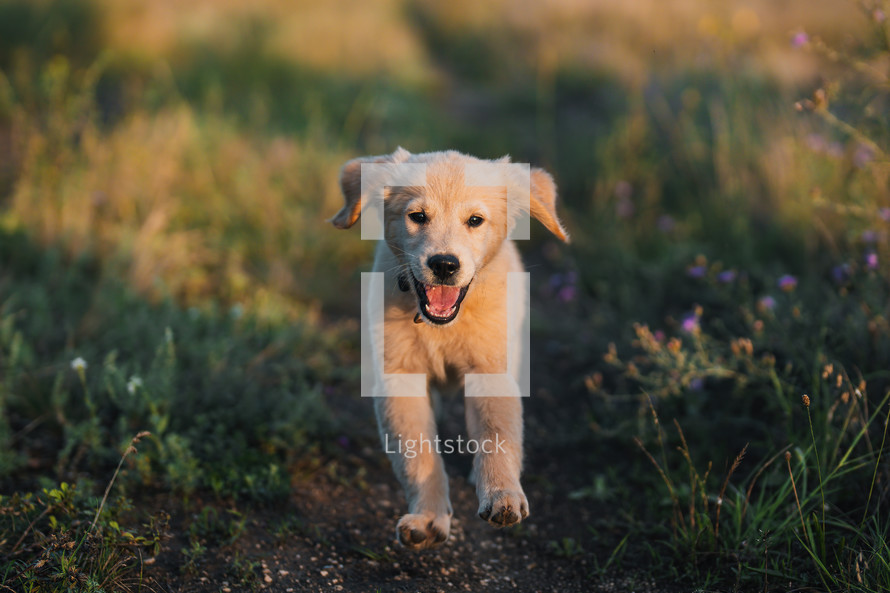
343 441
884 213
659 336
879 15
666 223
800 39
835 149
871 260
697 384
567 293
563 286
696 271
690 324
766 303
624 208
817 143
863 156
841 274
727 276
869 236
787 283
623 190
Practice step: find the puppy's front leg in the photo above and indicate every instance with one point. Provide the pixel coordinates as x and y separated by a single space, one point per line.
496 424
408 431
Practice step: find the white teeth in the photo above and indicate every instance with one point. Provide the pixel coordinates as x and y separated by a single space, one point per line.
451 311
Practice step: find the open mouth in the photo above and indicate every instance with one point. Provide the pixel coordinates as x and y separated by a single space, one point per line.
439 303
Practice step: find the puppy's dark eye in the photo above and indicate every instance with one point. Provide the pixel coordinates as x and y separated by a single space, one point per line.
418 217
475 221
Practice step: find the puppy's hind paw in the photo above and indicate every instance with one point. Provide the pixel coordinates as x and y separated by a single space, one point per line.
503 508
419 532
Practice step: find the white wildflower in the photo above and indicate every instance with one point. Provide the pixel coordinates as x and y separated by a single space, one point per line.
133 384
79 364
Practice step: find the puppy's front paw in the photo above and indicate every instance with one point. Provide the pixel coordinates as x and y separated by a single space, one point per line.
419 532
502 508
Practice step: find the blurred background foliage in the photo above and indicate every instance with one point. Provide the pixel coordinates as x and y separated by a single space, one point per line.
166 170
194 148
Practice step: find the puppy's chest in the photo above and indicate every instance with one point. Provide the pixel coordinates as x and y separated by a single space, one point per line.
449 355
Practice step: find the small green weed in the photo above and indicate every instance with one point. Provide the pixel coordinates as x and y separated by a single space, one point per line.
245 572
193 557
566 547
374 555
217 528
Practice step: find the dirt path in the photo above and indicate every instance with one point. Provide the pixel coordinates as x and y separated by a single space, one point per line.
337 533
338 530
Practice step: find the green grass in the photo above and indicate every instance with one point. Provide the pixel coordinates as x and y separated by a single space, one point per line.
153 367
161 220
227 403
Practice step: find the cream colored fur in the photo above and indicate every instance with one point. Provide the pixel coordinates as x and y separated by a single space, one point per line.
473 342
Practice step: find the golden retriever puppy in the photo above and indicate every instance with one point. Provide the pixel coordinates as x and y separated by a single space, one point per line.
443 277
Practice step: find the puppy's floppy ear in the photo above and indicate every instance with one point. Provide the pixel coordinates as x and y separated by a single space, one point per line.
543 202
351 185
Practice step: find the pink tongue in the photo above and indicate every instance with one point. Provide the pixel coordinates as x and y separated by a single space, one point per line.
441 298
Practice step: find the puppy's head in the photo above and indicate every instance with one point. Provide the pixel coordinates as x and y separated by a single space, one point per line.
445 231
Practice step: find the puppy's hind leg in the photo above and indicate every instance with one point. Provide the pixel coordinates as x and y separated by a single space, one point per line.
408 431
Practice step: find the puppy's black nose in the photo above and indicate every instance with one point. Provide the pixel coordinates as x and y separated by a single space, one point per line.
444 266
